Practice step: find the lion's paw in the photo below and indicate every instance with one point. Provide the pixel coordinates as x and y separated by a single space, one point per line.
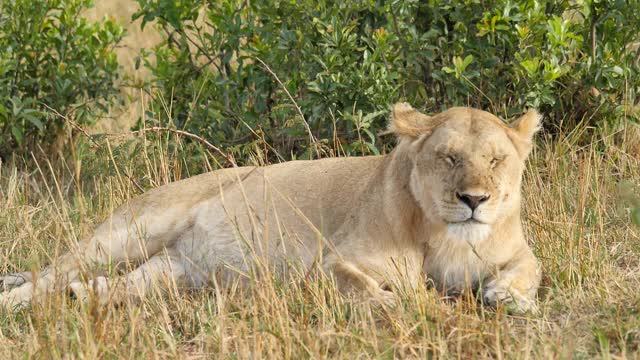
384 298
17 298
499 291
11 281
97 288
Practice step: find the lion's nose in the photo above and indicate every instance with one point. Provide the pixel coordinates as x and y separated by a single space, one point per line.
473 201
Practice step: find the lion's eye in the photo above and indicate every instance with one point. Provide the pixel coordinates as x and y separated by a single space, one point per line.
494 162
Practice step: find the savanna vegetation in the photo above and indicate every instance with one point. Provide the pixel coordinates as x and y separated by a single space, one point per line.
98 105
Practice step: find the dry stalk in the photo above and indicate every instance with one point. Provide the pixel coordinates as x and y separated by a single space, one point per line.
155 129
189 135
312 139
73 123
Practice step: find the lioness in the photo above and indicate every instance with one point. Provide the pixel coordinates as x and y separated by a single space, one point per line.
445 202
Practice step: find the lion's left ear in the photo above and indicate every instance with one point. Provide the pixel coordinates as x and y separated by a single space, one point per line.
407 122
525 128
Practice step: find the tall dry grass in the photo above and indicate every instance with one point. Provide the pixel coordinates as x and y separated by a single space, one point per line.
574 213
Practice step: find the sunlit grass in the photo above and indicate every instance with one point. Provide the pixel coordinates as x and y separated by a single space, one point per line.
574 216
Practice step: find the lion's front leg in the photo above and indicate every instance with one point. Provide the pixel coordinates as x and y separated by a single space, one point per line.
351 279
371 276
516 284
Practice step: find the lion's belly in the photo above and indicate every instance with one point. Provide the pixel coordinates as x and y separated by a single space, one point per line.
226 242
281 214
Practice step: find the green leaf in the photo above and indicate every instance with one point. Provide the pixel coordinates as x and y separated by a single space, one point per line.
17 134
370 135
34 120
457 62
373 148
467 60
531 65
370 116
617 70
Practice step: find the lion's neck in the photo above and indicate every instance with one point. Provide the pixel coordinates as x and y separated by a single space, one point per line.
456 259
401 211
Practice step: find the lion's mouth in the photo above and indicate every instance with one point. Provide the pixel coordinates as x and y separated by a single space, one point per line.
471 230
469 221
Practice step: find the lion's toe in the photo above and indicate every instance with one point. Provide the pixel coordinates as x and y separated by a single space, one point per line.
11 281
97 289
384 298
498 292
17 298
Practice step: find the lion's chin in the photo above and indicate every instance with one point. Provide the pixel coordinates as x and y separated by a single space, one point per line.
470 231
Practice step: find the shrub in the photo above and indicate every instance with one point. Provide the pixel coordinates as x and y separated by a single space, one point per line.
50 55
345 62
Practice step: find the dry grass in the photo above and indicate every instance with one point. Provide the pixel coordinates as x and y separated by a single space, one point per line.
574 215
589 249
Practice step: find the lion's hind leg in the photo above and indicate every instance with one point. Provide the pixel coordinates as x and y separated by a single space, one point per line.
124 237
19 289
162 271
22 288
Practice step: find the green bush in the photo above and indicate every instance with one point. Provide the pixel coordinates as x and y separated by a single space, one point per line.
345 62
50 55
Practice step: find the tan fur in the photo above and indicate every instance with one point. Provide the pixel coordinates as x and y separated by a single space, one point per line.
369 222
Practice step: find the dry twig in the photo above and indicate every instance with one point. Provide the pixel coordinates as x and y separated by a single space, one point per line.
155 129
312 139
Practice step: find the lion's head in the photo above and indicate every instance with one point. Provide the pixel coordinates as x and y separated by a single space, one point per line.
467 165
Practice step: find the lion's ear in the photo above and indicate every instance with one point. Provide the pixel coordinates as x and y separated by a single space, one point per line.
525 127
528 125
408 122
